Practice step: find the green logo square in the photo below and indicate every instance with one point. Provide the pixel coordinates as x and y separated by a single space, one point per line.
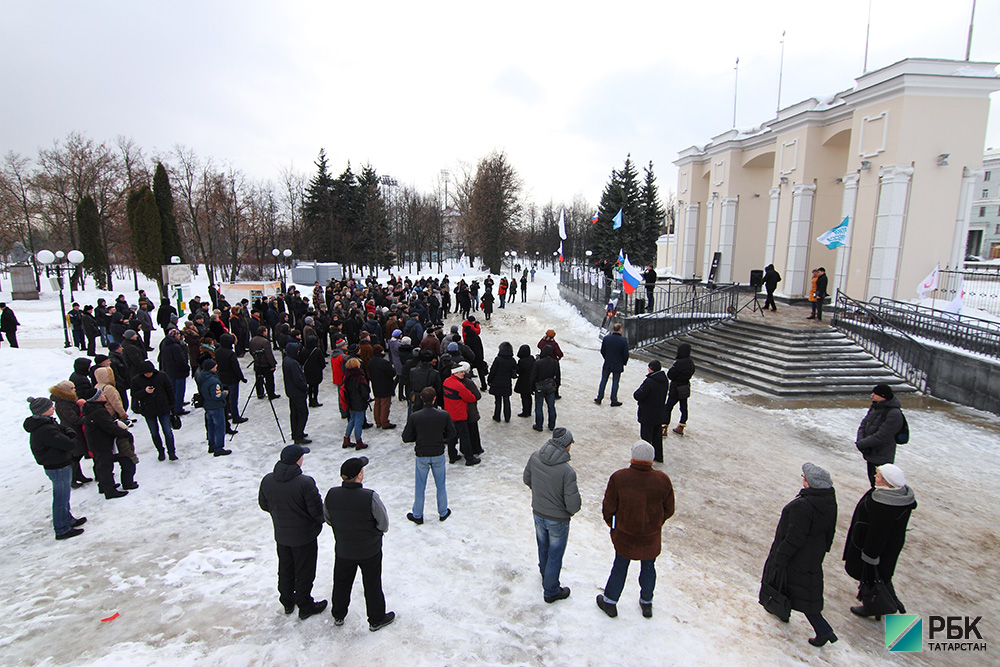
904 632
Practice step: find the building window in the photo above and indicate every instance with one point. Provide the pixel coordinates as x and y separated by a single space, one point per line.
986 193
982 211
986 176
997 230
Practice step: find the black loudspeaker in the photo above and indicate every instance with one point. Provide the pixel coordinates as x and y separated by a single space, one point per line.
756 278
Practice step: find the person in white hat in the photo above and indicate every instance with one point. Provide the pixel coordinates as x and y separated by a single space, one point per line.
878 531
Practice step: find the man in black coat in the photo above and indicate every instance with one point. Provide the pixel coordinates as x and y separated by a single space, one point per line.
876 438
821 283
614 349
313 363
102 431
383 381
359 520
153 398
297 391
90 330
134 352
174 362
771 280
544 370
420 375
264 364
801 541
651 397
8 324
52 446
230 375
431 429
649 276
296 509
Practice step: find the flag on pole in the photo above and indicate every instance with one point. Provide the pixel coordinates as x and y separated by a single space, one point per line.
560 251
955 305
597 216
562 224
631 277
620 264
618 219
836 236
929 284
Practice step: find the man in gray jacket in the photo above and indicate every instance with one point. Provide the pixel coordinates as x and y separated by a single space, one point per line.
554 499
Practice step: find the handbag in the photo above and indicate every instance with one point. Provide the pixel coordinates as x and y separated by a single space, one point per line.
772 594
683 391
876 598
175 422
547 386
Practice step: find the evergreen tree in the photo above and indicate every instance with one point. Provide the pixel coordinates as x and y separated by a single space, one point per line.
621 193
374 248
169 232
348 211
88 225
146 227
317 213
653 216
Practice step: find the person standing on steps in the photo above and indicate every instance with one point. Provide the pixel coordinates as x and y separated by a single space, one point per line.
359 520
637 502
801 541
614 349
555 498
650 398
818 294
878 532
649 276
877 433
680 387
771 280
296 509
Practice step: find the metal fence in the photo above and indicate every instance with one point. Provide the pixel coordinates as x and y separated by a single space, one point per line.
668 293
879 335
979 287
960 331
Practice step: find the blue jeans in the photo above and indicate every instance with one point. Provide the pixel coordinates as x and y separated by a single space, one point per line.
616 580
62 518
434 464
179 386
161 422
354 423
549 400
615 377
215 427
551 537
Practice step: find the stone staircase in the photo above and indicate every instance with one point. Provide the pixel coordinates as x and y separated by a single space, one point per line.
780 360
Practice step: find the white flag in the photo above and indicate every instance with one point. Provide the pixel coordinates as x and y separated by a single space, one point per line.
930 283
955 305
562 224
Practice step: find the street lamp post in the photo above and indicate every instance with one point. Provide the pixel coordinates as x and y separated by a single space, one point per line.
287 254
60 263
275 253
282 256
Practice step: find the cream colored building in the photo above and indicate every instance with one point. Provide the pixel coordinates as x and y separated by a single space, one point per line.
898 155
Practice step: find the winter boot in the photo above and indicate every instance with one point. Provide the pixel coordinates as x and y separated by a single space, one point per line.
680 429
347 442
360 445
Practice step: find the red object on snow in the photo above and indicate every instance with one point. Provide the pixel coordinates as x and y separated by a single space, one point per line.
109 618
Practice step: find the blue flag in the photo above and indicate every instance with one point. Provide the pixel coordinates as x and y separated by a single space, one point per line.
835 237
618 220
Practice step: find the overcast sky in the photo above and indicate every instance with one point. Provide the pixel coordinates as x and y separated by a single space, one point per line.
567 89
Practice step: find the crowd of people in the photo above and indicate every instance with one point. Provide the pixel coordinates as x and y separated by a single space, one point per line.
386 342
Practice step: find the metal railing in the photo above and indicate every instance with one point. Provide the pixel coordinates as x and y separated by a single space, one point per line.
961 331
701 311
879 336
979 287
668 293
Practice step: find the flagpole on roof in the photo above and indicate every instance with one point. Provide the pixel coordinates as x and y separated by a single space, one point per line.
968 43
781 69
868 30
736 85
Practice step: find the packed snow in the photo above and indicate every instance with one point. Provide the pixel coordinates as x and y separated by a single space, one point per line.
188 562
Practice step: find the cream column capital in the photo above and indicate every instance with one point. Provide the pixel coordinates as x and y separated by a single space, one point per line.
973 172
730 201
895 174
774 193
693 206
851 179
800 188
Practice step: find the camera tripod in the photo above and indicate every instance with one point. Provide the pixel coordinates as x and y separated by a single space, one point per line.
258 388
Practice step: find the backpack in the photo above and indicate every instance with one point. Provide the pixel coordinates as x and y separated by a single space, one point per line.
197 401
903 435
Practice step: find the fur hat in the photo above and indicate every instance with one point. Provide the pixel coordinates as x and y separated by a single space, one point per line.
816 477
893 475
643 451
39 406
561 437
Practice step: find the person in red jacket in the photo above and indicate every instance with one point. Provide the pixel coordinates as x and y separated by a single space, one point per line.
337 358
457 398
502 291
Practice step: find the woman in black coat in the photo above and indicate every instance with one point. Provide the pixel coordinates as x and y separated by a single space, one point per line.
680 386
502 373
153 398
63 395
801 541
650 398
878 531
312 367
525 362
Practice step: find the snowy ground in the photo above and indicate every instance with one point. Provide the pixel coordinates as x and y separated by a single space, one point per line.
188 560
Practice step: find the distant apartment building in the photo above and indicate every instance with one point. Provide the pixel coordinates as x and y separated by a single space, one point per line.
899 156
984 227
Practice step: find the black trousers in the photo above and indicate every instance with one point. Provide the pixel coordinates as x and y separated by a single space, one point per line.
871 473
298 414
527 401
344 571
653 434
673 400
313 393
296 573
769 301
649 299
265 381
464 439
474 439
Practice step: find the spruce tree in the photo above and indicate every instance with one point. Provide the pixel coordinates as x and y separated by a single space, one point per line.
146 227
621 193
374 248
88 225
653 215
317 213
169 232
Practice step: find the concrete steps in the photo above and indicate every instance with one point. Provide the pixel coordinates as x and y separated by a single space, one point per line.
782 361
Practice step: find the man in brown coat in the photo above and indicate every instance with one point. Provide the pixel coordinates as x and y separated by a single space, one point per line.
637 503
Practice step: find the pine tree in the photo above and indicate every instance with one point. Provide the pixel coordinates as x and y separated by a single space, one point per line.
169 232
317 213
348 211
621 193
146 227
653 216
374 248
88 225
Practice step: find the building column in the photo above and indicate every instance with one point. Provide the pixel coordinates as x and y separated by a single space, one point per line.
707 261
847 210
688 268
772 225
893 195
799 237
727 238
964 218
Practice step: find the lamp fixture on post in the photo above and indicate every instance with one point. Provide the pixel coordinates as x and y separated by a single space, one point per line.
942 159
61 262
